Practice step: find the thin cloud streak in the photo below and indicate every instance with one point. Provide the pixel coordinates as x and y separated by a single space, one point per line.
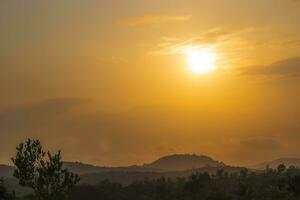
152 19
169 45
288 67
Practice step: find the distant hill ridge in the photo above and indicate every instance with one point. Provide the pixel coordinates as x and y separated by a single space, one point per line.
176 162
6 170
181 162
274 164
172 166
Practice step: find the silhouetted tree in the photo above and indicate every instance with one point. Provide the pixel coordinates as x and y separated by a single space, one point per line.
281 168
294 185
220 173
244 172
4 194
43 172
246 185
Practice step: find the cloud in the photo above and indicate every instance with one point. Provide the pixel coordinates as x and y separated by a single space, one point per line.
287 67
152 19
169 45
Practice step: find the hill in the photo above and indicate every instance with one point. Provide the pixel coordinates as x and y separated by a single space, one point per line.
172 163
274 164
6 171
81 168
177 162
128 177
181 162
172 166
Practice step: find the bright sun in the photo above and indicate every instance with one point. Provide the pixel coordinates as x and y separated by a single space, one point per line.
200 61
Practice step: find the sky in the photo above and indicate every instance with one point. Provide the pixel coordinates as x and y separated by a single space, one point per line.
108 82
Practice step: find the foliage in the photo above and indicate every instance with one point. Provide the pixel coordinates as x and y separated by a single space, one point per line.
279 184
43 172
4 193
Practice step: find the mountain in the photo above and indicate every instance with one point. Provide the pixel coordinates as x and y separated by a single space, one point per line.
172 163
172 166
274 164
6 171
181 162
81 168
177 162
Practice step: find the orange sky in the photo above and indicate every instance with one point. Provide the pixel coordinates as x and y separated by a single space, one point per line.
107 81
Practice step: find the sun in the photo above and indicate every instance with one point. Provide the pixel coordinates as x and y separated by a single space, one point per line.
200 60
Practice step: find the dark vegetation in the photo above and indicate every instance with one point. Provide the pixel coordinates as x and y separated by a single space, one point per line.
4 193
44 174
281 184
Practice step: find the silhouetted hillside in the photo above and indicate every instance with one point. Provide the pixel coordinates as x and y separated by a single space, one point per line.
172 167
168 163
183 162
245 185
273 164
128 177
81 168
6 171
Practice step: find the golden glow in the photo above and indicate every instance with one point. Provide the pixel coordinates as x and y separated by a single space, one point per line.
200 61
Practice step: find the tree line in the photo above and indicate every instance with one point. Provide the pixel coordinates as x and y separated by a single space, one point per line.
279 184
43 173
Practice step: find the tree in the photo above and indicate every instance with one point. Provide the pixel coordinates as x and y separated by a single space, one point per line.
294 185
43 172
281 168
4 194
2 190
244 173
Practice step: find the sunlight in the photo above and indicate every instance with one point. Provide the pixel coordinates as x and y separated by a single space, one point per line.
200 61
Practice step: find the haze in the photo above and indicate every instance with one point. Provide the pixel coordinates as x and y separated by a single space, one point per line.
107 81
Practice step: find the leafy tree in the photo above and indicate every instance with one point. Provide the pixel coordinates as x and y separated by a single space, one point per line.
4 194
246 185
43 172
